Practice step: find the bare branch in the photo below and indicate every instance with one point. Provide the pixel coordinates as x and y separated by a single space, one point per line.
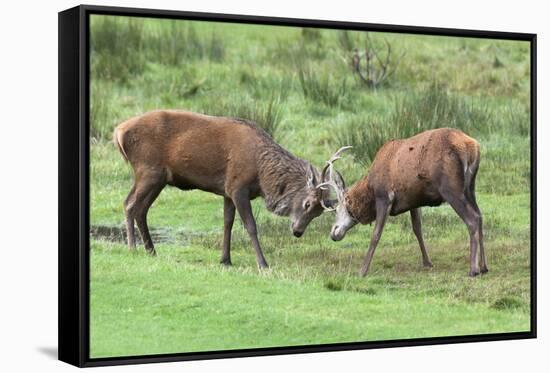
377 67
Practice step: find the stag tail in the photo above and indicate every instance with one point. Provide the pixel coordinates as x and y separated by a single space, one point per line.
471 164
119 141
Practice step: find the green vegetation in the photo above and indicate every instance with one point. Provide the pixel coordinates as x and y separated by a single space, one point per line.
321 87
430 108
297 84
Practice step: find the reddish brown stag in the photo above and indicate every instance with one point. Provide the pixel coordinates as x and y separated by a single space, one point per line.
232 158
428 169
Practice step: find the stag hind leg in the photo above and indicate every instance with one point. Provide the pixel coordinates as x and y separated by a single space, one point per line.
417 229
129 213
472 218
471 196
146 189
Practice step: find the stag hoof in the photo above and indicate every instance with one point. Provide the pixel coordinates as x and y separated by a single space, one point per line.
484 270
428 264
473 273
151 252
226 262
363 272
263 265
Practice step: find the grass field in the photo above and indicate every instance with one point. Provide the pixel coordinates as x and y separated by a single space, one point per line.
298 85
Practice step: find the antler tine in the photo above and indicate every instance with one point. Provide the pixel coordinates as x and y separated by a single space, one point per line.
329 165
336 155
324 186
334 158
342 149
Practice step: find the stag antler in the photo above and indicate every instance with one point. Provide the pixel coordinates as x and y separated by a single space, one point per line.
331 183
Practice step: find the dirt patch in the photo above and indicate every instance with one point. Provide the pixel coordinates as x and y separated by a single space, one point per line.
159 235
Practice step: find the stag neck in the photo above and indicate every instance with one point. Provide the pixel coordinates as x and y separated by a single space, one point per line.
359 201
281 177
347 207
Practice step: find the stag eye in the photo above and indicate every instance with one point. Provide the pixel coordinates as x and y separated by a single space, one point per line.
306 205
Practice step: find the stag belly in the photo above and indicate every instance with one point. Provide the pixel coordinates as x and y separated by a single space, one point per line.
212 183
411 198
190 182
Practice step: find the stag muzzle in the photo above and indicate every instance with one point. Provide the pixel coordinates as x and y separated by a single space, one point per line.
297 228
337 232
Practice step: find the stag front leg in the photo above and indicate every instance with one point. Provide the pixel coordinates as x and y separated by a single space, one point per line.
242 202
417 229
382 210
228 219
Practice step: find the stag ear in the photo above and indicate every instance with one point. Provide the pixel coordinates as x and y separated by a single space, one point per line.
311 177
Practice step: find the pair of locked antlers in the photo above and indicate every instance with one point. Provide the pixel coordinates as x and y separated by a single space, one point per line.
339 189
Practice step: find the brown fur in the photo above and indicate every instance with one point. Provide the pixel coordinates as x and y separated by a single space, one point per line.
229 157
414 169
428 169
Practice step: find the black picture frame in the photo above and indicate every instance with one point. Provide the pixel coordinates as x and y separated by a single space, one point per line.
74 73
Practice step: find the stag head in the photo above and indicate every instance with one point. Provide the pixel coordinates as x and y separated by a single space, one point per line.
306 204
312 200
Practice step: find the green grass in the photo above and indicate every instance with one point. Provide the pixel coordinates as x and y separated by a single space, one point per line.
184 301
298 85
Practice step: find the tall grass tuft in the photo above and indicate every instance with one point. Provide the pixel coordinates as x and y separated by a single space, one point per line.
436 107
122 48
116 43
366 137
177 43
516 118
319 86
311 35
101 108
345 41
172 43
267 114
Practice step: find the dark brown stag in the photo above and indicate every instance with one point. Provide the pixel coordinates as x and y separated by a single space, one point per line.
230 157
428 169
